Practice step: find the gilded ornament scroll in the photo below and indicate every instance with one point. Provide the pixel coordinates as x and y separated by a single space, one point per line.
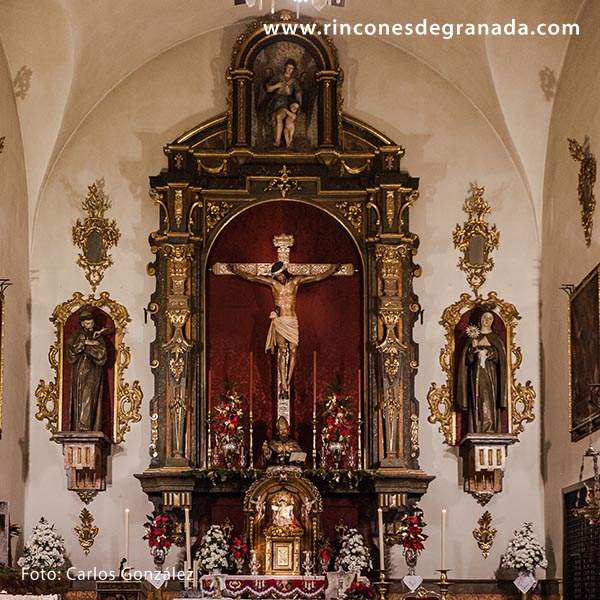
95 235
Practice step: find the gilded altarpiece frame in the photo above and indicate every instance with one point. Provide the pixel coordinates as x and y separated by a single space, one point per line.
351 172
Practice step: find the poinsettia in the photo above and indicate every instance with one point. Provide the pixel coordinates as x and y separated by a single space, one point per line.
160 530
412 536
338 419
359 591
238 549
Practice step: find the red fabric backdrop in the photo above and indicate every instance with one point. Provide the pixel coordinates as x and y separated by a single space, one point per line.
473 317
101 319
329 313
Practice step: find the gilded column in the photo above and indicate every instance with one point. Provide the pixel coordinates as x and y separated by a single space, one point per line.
328 132
241 98
177 350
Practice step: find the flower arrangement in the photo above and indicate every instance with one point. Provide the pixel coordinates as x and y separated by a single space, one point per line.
214 550
160 531
325 554
227 427
354 554
239 552
44 550
359 591
524 553
411 534
337 431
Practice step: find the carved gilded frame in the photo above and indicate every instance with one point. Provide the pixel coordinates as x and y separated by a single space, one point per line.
441 398
127 396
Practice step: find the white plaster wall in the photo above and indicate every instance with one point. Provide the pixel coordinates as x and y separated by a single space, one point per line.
448 145
566 259
14 262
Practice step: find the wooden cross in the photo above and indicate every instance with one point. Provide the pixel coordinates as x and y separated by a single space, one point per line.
283 243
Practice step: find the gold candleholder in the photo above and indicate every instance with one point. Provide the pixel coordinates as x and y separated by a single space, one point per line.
444 583
383 586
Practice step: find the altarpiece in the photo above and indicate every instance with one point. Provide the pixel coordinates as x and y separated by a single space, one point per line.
284 182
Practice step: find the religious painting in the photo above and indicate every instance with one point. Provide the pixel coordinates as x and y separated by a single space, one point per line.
285 93
584 356
481 394
89 358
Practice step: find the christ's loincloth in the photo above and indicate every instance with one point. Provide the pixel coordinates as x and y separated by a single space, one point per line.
286 327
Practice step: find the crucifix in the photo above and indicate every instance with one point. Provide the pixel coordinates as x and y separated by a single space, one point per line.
284 278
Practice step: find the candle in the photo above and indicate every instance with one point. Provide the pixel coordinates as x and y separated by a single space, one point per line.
381 546
444 514
208 398
360 461
126 536
314 452
188 540
250 416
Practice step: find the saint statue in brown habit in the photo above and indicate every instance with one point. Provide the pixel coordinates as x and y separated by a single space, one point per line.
86 352
481 378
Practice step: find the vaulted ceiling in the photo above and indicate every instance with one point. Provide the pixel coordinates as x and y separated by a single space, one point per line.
79 50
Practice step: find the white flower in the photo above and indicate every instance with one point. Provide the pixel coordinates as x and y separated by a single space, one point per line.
524 552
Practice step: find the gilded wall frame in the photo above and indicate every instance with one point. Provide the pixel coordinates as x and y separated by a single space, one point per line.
127 396
584 356
441 398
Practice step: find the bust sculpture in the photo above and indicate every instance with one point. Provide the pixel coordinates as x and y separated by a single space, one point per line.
282 449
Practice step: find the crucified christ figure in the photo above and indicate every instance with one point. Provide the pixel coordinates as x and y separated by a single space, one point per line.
283 335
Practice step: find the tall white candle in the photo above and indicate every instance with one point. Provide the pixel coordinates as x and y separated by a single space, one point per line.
381 546
188 540
127 536
444 514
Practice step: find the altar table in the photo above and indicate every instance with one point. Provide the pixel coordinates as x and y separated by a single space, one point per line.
298 587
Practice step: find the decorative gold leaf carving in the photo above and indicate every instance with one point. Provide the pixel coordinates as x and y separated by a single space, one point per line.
284 183
587 180
414 436
215 211
86 531
485 534
476 228
442 411
95 235
352 211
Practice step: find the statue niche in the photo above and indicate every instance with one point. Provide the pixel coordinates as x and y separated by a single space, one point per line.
481 372
285 91
282 520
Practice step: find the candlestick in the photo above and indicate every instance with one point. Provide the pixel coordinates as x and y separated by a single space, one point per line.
381 544
383 586
314 449
188 539
127 536
195 569
444 514
444 583
250 416
186 574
